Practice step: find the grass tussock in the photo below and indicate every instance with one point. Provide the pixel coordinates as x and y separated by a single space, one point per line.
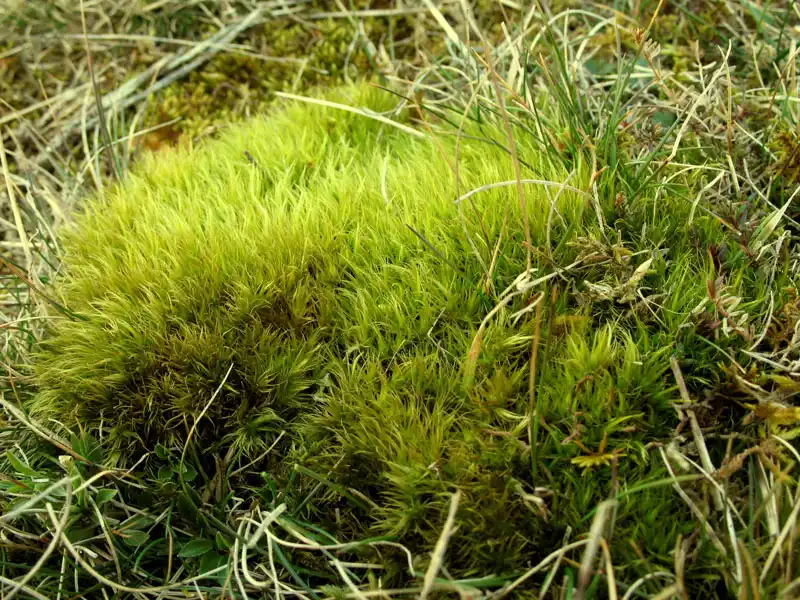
524 326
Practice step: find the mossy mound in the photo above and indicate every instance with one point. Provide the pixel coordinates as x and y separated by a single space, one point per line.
272 250
306 283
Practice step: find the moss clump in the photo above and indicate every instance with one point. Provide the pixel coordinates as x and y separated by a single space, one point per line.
267 268
787 147
306 284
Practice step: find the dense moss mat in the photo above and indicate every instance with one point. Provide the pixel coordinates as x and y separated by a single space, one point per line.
306 284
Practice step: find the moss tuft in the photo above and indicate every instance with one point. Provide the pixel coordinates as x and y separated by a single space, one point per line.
306 284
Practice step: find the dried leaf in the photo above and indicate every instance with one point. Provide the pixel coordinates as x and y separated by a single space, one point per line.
640 272
472 357
629 289
768 226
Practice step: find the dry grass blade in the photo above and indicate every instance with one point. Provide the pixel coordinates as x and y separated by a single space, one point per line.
477 341
694 508
51 547
205 410
40 430
437 557
537 335
512 144
45 494
443 23
173 67
350 109
632 590
499 184
790 529
697 433
594 542
98 102
28 590
538 568
698 102
366 13
612 582
12 198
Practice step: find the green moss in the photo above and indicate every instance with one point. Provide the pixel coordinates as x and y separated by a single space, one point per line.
311 264
787 148
267 291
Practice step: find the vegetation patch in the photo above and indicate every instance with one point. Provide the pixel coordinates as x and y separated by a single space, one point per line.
523 325
287 287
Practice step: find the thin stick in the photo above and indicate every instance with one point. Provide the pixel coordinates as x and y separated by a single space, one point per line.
441 545
112 159
355 111
697 433
23 237
515 160
62 525
537 336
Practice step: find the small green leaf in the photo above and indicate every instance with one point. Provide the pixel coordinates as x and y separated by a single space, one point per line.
87 447
161 451
189 473
134 537
19 466
663 118
222 543
144 522
211 561
165 473
196 548
42 485
80 534
104 496
186 507
137 522
94 451
599 67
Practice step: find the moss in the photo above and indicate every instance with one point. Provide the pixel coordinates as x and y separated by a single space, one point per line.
267 292
787 147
